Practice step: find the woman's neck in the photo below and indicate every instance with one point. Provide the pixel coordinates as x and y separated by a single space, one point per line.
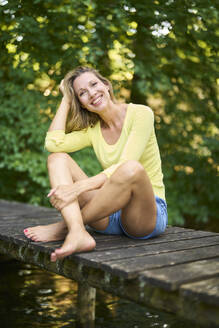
113 115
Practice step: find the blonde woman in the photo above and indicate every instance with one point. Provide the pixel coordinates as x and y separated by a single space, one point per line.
128 196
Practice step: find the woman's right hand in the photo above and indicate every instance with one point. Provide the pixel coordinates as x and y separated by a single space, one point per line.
63 92
61 88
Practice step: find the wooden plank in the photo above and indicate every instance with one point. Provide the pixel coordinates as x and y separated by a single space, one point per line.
130 268
149 249
11 222
173 229
16 208
169 229
172 277
24 217
205 290
108 244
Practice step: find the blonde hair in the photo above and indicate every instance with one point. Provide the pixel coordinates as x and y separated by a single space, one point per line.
79 117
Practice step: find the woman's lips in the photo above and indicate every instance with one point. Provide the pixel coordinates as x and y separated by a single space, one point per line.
97 100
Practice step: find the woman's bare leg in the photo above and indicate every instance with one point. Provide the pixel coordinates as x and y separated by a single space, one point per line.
58 163
129 189
77 238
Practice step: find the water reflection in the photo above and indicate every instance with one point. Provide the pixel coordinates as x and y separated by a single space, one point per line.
33 298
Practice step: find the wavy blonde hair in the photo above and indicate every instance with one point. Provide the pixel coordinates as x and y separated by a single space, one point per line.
79 117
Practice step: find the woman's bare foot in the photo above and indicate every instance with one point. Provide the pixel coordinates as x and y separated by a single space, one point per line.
51 232
75 242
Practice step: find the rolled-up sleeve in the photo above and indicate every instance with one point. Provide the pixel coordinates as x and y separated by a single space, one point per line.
59 141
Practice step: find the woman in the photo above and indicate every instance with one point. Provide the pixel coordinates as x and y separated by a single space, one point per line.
128 196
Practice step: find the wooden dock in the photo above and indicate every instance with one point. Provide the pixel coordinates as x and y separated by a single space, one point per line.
176 272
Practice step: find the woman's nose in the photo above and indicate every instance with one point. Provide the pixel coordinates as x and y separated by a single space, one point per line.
91 92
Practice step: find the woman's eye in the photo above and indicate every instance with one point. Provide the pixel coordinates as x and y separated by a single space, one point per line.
81 94
94 83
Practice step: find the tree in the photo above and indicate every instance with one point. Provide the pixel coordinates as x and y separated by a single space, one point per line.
162 53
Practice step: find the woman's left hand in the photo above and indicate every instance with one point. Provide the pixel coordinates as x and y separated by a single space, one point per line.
63 195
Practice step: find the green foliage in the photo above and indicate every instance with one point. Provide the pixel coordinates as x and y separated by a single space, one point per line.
160 52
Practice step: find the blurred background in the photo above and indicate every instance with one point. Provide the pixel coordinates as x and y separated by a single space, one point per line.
162 53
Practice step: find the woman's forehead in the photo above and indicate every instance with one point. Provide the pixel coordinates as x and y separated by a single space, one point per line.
83 80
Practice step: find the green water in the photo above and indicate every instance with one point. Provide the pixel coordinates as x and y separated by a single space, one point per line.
32 298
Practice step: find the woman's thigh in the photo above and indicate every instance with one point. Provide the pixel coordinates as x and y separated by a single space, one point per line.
139 215
130 190
161 221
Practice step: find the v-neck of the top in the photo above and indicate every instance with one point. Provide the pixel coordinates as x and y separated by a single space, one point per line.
122 131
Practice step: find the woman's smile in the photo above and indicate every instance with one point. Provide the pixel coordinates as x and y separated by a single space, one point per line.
97 101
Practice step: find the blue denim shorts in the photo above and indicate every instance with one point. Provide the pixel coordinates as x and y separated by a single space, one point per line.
115 224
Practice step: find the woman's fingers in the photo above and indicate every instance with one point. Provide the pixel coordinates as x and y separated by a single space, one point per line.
51 192
61 196
57 202
61 87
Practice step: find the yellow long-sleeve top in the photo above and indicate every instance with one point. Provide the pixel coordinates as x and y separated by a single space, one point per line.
136 142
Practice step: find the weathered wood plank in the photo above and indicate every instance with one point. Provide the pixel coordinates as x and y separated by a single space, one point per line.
205 290
130 269
16 208
172 277
148 249
169 230
8 226
122 242
41 217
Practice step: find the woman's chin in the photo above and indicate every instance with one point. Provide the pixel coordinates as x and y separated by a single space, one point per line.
99 107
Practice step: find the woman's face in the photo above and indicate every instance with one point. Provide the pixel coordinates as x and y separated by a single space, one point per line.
92 93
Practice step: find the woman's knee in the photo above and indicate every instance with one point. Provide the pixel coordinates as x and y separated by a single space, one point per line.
130 171
62 161
54 158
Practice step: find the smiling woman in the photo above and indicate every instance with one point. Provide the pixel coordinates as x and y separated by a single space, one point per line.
77 118
128 196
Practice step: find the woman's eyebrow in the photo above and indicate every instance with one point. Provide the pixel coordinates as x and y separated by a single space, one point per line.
91 81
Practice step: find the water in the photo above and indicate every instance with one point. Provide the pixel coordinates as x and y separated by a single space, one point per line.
33 298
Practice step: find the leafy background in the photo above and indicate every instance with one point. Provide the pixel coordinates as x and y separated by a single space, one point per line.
160 53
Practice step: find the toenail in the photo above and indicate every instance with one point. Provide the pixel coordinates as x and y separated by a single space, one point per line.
25 230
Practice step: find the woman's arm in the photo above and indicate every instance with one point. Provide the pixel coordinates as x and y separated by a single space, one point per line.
63 195
59 120
56 139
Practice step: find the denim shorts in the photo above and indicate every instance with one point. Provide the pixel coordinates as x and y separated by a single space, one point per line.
115 224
